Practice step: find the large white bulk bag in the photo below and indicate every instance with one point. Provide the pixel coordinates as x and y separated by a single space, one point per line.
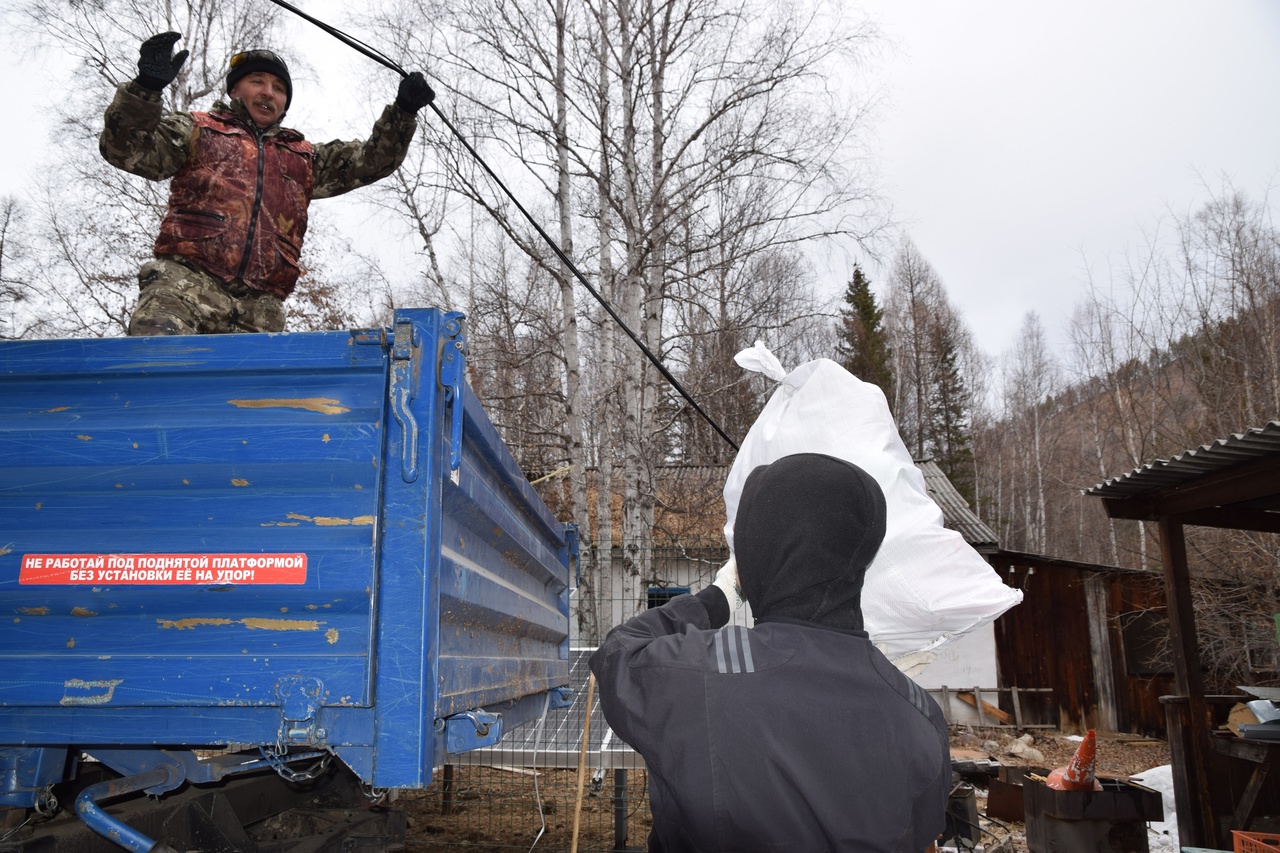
926 585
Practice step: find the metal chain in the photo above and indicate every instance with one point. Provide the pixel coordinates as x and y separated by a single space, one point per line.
46 806
377 796
278 762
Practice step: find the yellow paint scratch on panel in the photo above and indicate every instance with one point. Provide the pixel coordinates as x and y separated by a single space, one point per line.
325 438
236 481
85 437
183 624
331 521
5 549
71 643
331 635
34 611
281 624
80 611
323 405
58 409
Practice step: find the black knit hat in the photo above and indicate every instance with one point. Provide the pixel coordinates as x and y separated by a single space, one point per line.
246 62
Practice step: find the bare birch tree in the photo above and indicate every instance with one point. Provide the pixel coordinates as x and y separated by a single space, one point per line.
931 349
1030 382
698 143
14 277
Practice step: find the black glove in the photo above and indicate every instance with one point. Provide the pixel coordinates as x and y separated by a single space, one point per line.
415 93
157 66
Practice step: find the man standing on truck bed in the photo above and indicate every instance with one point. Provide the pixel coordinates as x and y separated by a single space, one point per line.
797 734
227 254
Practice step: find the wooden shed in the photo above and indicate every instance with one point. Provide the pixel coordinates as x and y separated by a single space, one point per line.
1231 483
1084 630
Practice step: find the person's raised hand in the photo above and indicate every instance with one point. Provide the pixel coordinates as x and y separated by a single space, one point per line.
727 580
415 93
158 66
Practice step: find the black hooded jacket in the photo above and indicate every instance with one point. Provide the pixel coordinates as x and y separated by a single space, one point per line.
797 734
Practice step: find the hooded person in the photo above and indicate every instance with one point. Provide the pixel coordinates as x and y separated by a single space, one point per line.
796 734
228 253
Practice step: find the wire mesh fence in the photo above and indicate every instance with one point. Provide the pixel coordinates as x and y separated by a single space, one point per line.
527 793
504 808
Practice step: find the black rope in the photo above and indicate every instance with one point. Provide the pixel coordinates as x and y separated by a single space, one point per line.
382 59
371 52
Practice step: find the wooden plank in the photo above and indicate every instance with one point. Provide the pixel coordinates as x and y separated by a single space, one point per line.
1201 823
983 706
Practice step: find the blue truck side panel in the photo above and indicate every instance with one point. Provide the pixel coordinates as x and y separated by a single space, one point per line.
287 540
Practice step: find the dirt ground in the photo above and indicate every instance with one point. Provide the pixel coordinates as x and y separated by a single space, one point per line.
487 809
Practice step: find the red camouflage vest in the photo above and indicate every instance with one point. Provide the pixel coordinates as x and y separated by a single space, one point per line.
238 208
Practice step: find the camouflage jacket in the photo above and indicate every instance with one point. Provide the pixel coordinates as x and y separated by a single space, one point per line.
138 138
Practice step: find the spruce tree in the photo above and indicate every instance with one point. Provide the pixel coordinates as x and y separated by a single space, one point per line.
947 426
863 344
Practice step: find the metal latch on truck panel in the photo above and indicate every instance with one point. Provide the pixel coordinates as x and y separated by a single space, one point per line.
299 704
405 351
472 730
453 358
561 697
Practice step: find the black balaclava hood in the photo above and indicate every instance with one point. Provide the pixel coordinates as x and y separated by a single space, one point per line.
807 528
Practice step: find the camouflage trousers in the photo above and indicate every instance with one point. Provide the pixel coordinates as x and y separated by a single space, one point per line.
176 299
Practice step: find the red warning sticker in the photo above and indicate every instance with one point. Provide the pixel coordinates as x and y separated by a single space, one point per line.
163 569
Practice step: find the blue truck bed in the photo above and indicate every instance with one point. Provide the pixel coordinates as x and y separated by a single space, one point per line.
308 543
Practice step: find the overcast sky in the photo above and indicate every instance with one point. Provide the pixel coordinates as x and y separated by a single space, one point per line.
1029 141
1022 142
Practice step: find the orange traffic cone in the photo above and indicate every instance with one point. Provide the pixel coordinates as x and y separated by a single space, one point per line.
1078 774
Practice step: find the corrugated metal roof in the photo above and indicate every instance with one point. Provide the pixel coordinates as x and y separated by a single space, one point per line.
1253 445
956 513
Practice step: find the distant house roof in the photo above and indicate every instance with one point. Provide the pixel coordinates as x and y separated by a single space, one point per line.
956 513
